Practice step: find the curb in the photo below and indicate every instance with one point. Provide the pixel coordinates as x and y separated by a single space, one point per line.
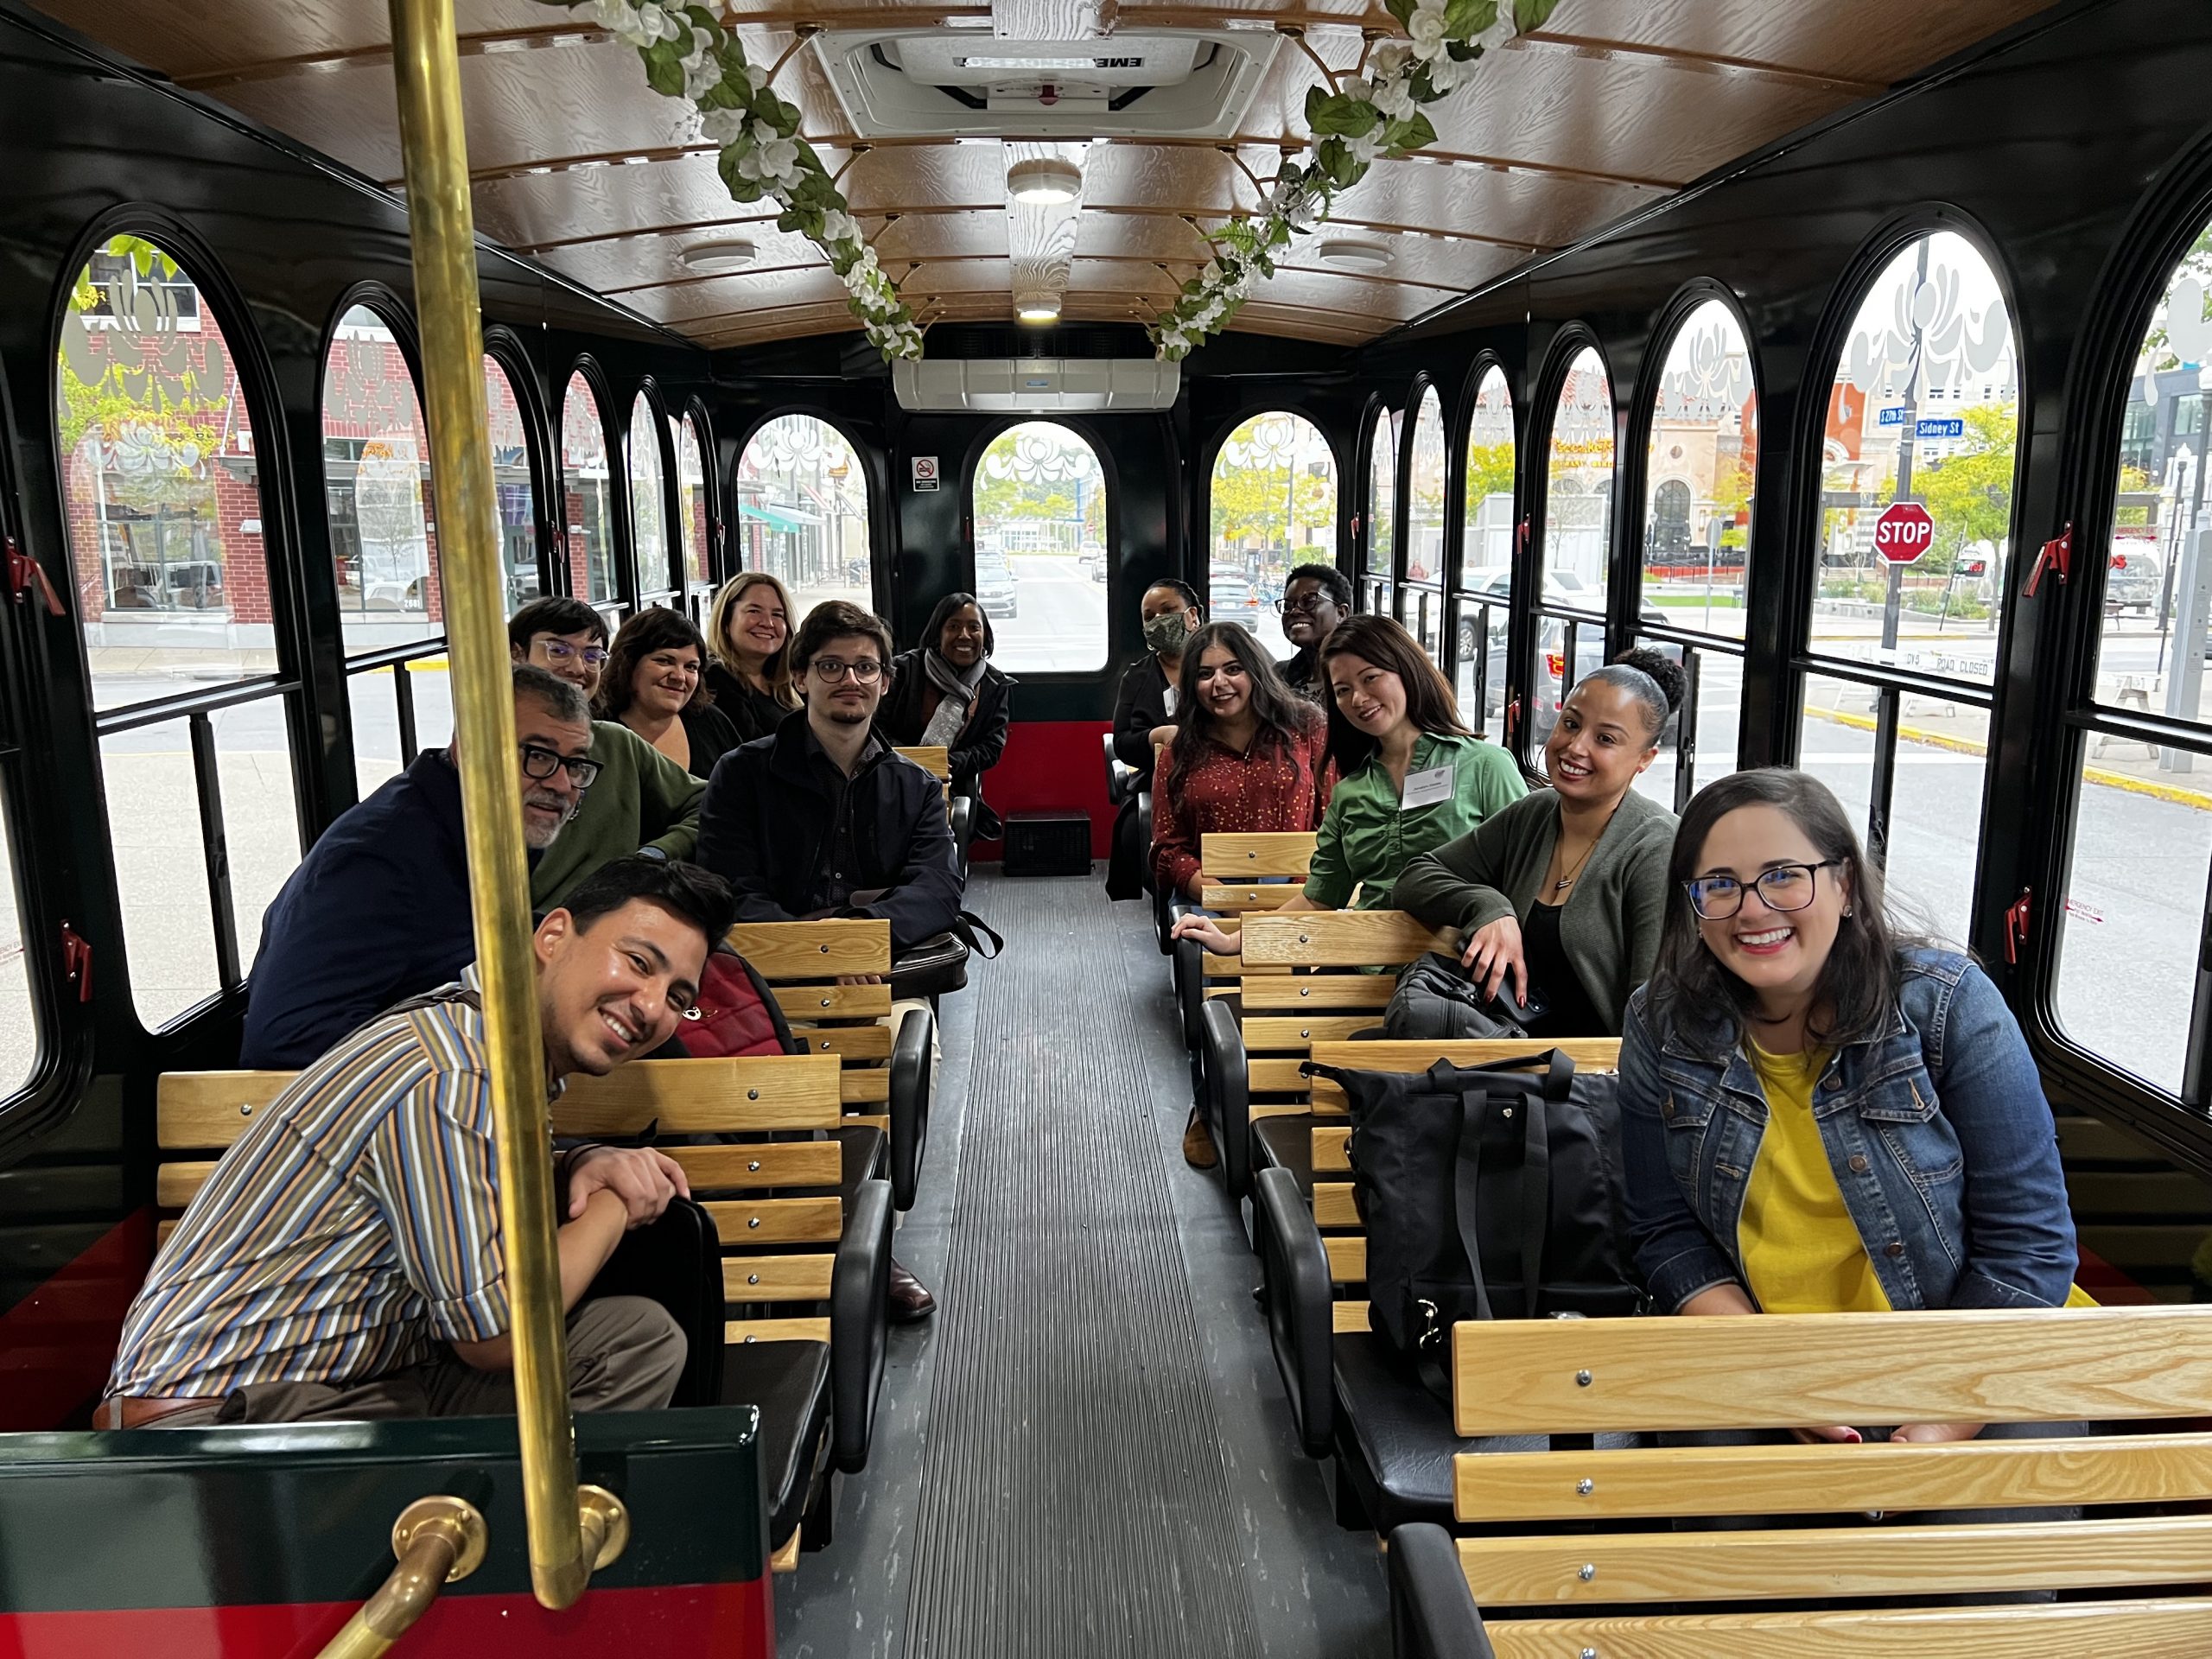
2174 792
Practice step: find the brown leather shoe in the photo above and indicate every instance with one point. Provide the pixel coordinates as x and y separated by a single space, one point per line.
1197 1144
910 1298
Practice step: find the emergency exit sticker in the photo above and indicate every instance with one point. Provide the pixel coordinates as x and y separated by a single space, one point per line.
926 471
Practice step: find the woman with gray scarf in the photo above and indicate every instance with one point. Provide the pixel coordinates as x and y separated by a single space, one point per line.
946 692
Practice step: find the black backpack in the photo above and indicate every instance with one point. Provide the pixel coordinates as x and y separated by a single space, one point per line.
1488 1191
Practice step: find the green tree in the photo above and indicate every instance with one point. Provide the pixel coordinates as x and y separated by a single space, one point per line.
1490 472
1969 494
1269 505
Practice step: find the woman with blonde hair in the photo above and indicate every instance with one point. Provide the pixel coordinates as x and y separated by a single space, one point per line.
749 647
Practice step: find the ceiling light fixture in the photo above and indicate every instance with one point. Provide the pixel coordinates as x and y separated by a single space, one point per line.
1037 307
1047 181
732 255
1349 253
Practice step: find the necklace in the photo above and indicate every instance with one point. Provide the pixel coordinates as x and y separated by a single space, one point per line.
1568 880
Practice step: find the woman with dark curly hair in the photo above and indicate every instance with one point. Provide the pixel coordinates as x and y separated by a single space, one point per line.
652 683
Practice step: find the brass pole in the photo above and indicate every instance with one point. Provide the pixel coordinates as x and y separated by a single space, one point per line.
441 228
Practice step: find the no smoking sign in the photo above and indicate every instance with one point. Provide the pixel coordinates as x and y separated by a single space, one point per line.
926 471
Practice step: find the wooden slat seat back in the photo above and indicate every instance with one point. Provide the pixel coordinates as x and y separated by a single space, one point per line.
2059 1366
1244 872
197 1116
1343 1236
937 760
772 1194
802 962
1307 980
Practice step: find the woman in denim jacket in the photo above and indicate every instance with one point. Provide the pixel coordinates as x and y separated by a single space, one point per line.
1817 1115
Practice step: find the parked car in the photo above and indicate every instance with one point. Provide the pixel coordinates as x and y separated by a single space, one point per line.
1540 701
2136 576
994 586
1093 560
1230 597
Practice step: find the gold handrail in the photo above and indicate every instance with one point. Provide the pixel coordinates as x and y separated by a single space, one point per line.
564 1544
439 1541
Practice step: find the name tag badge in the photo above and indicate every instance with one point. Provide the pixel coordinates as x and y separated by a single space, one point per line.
1169 701
1426 788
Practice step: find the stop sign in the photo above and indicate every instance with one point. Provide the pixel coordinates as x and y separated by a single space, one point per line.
1903 532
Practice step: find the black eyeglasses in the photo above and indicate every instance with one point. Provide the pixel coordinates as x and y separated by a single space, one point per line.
1786 887
829 670
1307 603
541 763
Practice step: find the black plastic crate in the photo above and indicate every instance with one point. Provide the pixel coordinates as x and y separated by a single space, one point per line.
1047 843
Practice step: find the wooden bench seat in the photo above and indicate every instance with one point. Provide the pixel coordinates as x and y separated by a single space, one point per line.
2135 1579
1310 977
805 1235
884 1079
1239 875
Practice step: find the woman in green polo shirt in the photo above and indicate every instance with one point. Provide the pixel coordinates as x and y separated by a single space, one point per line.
1413 777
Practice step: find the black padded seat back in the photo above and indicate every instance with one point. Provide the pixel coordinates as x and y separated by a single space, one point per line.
789 1382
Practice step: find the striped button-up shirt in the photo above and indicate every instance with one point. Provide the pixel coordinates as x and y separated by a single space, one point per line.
353 1229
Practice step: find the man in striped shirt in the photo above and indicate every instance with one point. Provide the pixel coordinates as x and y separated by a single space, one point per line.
344 1261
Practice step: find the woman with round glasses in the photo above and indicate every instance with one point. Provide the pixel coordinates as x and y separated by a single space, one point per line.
1819 1114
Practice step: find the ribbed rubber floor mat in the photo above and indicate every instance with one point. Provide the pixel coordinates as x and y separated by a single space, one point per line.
1074 1497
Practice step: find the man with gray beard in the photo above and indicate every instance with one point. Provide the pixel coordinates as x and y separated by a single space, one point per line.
379 910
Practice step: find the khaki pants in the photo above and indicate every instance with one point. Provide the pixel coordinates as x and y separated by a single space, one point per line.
625 1354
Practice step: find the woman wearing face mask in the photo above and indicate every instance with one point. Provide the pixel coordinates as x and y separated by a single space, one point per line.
947 693
748 667
1929 1174
1565 889
1144 717
654 684
1410 776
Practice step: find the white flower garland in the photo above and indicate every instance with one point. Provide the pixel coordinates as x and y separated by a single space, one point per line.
1365 117
690 55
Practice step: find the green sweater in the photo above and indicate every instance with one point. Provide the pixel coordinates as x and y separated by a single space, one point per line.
640 798
1366 838
1610 926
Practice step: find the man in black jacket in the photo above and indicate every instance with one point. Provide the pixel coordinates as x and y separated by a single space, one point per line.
823 818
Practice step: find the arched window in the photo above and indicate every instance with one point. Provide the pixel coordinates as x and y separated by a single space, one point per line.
1381 537
376 471
1921 412
1272 503
170 570
1041 521
1700 468
1578 489
648 499
1421 606
1486 553
2142 841
802 513
585 478
691 501
513 484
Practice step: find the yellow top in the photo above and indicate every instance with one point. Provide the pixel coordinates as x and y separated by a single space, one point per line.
1800 1249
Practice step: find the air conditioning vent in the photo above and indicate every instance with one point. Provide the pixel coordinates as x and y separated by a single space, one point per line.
1154 83
1029 386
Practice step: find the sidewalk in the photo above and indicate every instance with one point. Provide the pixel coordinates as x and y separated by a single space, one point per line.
2112 762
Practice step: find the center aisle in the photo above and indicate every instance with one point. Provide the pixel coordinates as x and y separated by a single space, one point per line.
1104 1463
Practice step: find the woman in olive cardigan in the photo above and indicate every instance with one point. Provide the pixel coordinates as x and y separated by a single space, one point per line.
1566 889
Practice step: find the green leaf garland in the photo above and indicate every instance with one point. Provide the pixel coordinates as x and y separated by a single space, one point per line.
1361 118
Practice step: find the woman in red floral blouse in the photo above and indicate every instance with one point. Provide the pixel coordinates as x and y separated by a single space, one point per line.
1248 754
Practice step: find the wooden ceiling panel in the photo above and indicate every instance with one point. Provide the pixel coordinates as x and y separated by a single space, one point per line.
1610 105
1873 43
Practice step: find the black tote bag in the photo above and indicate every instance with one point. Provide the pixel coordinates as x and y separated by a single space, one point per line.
1488 1191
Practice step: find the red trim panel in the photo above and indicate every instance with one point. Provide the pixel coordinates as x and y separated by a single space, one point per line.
680 1621
1051 765
56 1345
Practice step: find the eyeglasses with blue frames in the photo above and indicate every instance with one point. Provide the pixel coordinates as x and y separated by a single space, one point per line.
541 763
1782 888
